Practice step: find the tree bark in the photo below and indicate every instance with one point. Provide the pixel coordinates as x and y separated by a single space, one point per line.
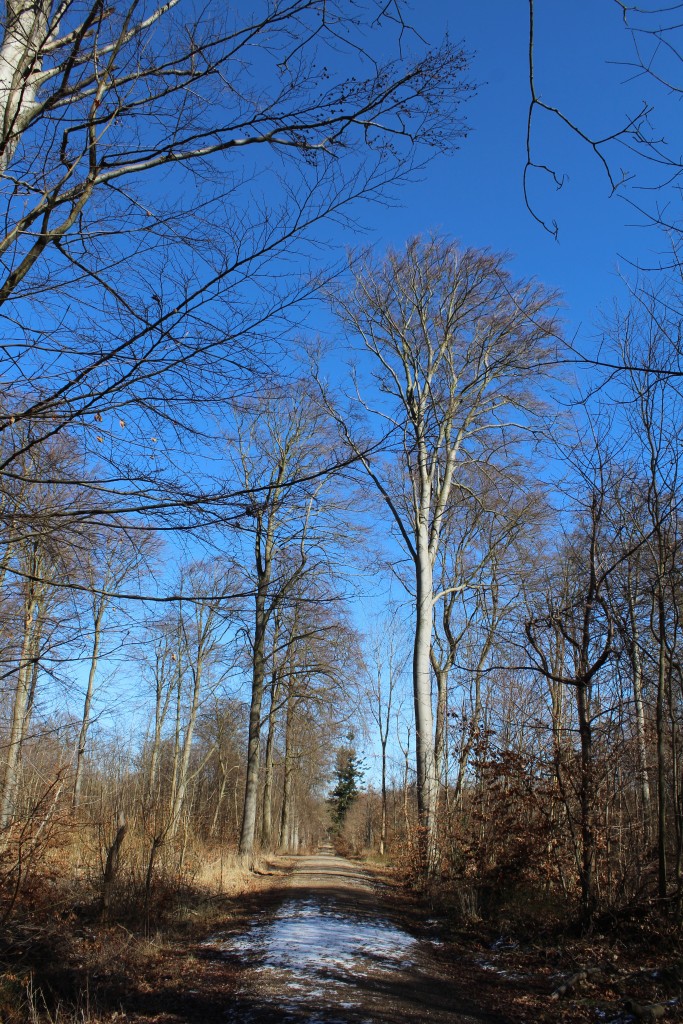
286 813
660 723
21 706
85 719
637 682
427 779
587 802
269 768
248 832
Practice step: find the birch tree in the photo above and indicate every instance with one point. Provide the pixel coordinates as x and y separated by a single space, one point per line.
456 345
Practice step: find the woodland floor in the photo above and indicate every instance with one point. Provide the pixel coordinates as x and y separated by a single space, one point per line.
324 940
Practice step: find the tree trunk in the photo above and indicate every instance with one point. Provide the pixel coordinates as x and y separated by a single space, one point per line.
441 725
637 681
220 798
85 720
661 746
20 62
181 773
587 802
383 830
248 833
20 710
427 780
286 813
269 767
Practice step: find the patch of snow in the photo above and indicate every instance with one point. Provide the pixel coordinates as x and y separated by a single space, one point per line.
304 947
305 938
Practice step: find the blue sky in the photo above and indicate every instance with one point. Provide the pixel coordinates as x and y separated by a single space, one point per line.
476 194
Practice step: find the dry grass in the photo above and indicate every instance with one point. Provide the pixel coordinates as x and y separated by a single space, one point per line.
60 963
224 873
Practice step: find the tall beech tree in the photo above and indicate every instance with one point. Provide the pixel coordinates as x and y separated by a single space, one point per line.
278 438
456 347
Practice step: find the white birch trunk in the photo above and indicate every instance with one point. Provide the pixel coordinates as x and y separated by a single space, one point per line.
26 28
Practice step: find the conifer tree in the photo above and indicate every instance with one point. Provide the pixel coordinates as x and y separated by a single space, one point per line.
349 772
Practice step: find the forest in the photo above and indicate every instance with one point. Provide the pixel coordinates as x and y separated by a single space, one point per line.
307 537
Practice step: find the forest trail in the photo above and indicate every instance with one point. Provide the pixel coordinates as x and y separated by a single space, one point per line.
330 954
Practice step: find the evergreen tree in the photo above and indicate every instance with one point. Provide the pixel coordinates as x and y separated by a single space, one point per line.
348 772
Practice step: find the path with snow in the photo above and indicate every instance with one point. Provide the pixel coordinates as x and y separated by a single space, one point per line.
328 955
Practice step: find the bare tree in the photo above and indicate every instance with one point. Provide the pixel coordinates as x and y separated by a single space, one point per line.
456 345
318 685
388 658
488 520
221 729
188 645
36 562
119 558
574 631
155 162
278 439
646 339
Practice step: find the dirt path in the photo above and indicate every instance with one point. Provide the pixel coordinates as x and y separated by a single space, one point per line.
329 954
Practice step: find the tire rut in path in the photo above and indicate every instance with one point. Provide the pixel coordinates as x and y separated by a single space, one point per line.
330 955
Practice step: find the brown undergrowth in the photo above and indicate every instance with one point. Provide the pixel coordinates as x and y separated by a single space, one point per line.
532 962
61 963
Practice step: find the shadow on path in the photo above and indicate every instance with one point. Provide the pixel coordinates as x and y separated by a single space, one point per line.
328 955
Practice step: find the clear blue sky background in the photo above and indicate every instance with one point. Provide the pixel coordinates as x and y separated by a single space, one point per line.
476 194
